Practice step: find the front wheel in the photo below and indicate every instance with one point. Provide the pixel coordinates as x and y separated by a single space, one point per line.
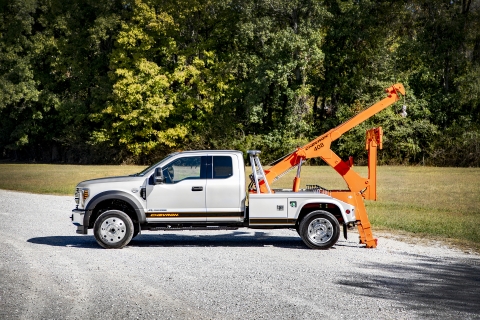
113 229
319 230
136 230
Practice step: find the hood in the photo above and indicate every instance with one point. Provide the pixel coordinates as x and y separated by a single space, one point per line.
109 180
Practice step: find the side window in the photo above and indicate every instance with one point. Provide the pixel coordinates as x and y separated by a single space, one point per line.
183 168
222 167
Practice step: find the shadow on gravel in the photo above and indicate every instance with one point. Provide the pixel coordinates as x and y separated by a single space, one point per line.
67 241
438 286
233 239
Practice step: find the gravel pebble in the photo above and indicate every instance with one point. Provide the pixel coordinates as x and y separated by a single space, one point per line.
47 271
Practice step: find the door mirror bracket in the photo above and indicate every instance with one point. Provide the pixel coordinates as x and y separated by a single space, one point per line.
158 177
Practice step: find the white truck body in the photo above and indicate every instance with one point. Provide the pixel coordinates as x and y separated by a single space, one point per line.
196 190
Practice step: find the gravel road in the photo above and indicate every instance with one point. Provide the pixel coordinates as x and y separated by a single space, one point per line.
49 272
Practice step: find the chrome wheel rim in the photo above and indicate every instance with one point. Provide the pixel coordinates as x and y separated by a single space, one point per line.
113 230
320 231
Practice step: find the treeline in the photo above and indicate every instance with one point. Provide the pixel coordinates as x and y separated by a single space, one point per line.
128 81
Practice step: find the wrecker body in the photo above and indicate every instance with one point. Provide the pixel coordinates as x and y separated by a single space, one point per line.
205 190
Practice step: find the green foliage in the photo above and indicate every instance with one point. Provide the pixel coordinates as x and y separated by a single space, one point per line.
278 46
18 88
135 116
459 145
129 81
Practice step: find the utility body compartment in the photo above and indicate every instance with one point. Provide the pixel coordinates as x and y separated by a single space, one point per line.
285 208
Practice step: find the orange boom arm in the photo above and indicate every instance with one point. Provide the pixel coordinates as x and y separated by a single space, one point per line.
359 188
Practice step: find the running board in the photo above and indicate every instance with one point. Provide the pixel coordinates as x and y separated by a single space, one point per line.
190 228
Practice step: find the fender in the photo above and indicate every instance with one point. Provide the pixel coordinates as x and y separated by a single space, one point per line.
340 204
120 195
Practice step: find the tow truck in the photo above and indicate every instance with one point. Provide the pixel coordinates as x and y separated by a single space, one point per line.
205 190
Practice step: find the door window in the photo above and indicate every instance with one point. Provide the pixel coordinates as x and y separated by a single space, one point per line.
182 169
222 167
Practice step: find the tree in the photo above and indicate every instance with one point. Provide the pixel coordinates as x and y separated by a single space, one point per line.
19 92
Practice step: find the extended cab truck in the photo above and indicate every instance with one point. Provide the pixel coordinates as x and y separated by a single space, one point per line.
203 190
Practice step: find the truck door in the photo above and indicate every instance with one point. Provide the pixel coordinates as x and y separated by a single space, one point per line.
223 195
181 197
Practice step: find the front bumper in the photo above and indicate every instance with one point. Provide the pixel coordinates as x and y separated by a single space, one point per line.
78 219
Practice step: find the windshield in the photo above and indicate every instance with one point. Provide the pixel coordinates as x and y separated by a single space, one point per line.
142 173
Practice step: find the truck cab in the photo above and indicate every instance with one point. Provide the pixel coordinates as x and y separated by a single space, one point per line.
194 186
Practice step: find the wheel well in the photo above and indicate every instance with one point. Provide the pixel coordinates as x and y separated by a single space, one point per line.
112 204
329 207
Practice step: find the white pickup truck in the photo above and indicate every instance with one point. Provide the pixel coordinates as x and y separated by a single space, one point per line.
204 190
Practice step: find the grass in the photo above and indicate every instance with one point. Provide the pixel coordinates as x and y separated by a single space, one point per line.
55 179
438 203
429 202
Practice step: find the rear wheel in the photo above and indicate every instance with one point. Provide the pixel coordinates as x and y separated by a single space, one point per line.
113 229
319 230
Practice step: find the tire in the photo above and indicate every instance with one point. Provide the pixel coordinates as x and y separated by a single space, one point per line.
136 230
113 229
319 230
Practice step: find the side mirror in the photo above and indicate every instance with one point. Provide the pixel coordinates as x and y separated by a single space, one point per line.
158 177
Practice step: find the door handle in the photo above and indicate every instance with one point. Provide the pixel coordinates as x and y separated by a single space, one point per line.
197 188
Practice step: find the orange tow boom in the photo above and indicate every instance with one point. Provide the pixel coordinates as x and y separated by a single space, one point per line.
359 188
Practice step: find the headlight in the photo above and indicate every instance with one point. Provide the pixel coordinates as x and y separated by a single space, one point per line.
77 196
81 195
